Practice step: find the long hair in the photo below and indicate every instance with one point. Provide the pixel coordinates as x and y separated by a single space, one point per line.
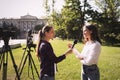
94 34
41 35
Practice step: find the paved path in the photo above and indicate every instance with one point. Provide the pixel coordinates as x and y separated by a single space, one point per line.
13 42
18 41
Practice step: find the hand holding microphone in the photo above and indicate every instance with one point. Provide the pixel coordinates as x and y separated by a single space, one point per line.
72 45
75 42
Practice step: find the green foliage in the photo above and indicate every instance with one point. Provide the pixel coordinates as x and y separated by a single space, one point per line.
70 19
38 27
75 12
15 31
61 33
109 19
10 30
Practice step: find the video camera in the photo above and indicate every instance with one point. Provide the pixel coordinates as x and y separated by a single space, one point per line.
6 31
29 40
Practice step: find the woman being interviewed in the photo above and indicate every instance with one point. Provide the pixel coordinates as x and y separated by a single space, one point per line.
90 53
46 54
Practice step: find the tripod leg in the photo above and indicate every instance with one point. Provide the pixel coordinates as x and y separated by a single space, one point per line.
1 60
31 66
4 76
22 59
2 57
35 67
23 65
15 66
29 62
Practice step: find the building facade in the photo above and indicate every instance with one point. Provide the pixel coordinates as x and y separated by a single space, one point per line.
24 23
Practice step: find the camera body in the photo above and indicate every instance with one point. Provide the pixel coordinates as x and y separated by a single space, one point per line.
6 31
29 40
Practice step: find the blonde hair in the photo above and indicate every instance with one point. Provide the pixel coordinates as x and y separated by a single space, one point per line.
41 35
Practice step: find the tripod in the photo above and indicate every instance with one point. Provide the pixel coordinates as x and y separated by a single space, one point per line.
4 61
31 63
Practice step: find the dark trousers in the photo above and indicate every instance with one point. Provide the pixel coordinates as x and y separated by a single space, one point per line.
47 78
90 72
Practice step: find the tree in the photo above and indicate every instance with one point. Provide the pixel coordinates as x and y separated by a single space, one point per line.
109 19
9 30
47 7
38 27
61 33
72 18
14 31
69 19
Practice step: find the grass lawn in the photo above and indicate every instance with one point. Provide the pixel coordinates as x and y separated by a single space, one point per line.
70 68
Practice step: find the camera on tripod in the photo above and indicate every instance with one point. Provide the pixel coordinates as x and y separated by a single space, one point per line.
29 39
7 31
28 56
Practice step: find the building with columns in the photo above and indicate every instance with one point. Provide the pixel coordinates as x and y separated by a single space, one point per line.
24 23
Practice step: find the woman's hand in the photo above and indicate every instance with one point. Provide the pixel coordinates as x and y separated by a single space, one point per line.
68 51
69 45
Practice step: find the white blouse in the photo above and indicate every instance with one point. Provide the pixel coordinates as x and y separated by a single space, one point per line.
90 53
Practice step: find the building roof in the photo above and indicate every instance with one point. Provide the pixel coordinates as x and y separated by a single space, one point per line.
28 17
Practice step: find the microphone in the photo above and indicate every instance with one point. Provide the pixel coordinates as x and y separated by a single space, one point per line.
75 42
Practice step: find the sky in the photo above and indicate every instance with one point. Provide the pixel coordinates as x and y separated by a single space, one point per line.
17 8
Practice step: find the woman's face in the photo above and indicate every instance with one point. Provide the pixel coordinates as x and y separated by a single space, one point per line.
86 33
50 34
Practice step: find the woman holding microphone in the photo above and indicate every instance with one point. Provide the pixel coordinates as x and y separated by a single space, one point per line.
90 53
46 54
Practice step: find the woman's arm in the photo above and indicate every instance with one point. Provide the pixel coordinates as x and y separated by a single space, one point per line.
77 54
51 55
92 54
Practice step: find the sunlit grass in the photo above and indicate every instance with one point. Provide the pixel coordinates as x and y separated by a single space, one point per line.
70 68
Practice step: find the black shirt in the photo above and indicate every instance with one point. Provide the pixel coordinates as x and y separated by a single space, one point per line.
48 58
